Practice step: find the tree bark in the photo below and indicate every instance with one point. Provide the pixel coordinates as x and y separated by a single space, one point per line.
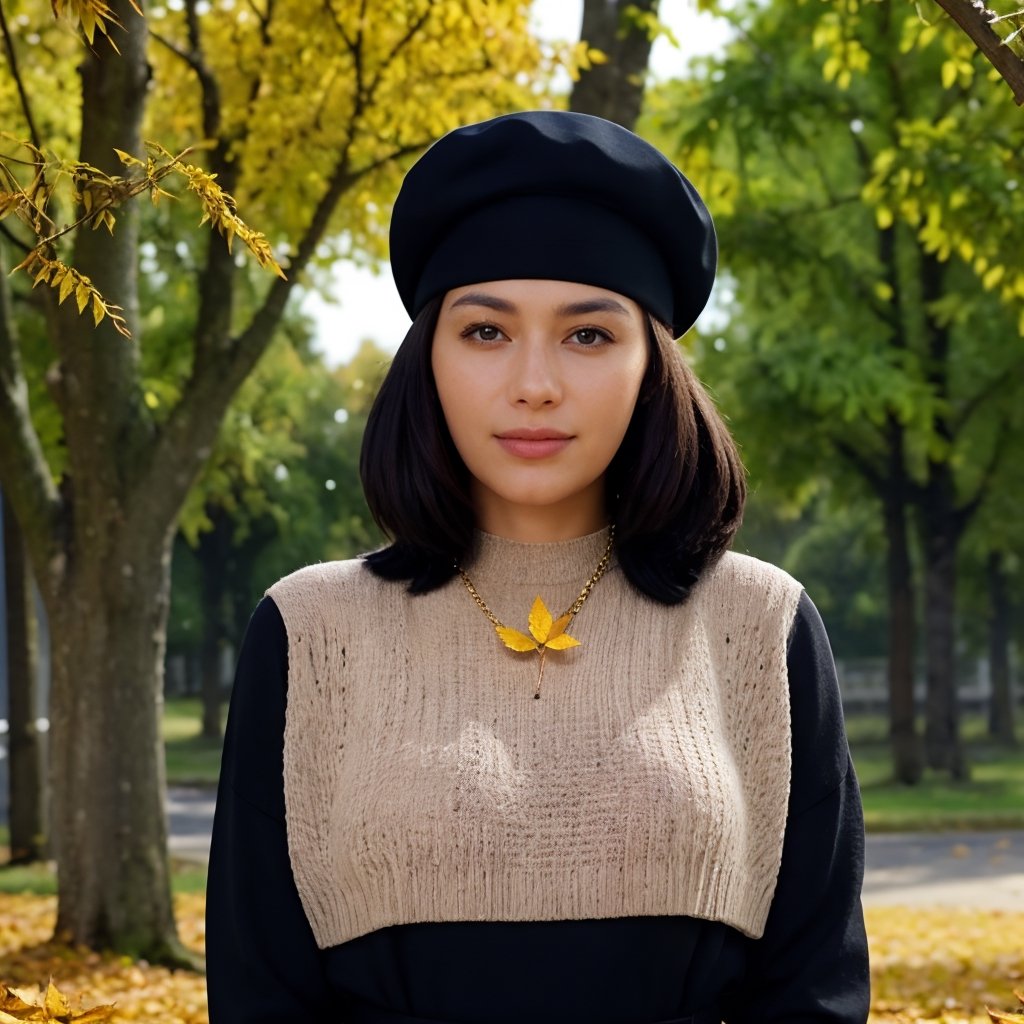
1001 712
943 748
904 742
214 554
613 90
108 606
28 829
107 754
941 529
975 21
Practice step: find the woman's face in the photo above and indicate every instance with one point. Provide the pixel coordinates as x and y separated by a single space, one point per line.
538 381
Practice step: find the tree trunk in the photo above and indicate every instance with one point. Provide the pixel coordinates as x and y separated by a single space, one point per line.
1000 722
904 741
108 602
942 525
26 778
613 90
214 555
110 827
943 748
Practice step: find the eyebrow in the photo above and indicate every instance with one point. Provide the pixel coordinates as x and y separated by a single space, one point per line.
602 305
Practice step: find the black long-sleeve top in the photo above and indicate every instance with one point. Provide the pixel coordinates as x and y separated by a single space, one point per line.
809 967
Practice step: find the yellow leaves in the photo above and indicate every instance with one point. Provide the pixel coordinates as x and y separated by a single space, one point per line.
65 280
144 994
941 964
219 210
97 194
55 1007
884 217
956 69
847 55
546 632
92 15
992 277
514 640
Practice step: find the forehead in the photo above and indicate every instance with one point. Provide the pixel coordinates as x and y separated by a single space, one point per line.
541 297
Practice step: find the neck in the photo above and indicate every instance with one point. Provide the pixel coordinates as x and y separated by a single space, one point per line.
545 524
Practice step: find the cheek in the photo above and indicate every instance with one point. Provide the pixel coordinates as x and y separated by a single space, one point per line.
456 394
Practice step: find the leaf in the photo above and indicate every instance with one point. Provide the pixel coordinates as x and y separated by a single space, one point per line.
949 72
540 620
66 284
82 296
1005 1018
98 312
55 1002
562 642
11 1001
515 640
559 626
95 1015
127 159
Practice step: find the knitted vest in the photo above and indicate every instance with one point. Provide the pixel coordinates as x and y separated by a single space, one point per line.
424 783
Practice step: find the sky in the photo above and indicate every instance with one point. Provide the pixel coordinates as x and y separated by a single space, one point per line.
366 304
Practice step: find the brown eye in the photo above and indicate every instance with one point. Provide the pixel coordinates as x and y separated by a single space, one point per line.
590 337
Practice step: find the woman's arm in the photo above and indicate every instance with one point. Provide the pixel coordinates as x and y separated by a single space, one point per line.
811 964
263 964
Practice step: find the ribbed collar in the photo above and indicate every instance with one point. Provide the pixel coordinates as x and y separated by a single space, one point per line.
513 561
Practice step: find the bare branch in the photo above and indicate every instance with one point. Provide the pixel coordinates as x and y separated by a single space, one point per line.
974 21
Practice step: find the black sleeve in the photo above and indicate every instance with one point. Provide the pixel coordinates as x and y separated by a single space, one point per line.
811 964
263 964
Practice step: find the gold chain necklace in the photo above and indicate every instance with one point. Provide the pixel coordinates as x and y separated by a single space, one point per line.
546 632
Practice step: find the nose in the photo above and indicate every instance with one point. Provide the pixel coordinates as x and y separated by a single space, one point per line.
535 378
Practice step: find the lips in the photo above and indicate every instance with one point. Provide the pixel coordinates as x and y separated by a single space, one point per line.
533 443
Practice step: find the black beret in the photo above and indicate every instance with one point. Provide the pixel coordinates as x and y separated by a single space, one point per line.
551 194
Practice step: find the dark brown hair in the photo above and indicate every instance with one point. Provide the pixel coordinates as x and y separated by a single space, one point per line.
675 488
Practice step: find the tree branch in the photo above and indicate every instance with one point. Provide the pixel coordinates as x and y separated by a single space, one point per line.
875 479
185 438
973 19
966 512
14 239
970 407
24 471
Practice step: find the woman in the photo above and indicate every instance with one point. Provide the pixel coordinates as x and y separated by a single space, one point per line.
552 755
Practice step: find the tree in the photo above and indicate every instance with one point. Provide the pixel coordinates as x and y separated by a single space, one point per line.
857 340
621 33
310 112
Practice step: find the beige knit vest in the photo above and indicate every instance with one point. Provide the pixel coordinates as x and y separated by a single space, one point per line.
424 783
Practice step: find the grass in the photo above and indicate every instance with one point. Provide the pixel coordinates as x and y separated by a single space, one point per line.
993 798
192 759
40 879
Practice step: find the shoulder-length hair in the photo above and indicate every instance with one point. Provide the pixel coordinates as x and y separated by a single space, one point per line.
674 490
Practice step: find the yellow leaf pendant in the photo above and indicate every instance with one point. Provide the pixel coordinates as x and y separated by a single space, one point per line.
546 634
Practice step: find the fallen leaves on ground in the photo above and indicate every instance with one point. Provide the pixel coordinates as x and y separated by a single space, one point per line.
937 965
143 993
943 965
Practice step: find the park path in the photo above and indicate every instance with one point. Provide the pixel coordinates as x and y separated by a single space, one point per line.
942 869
